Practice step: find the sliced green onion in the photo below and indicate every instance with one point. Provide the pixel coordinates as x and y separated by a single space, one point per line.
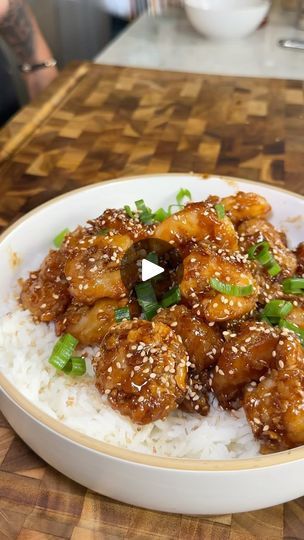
76 366
178 206
293 285
152 257
277 309
161 214
103 232
183 194
231 290
122 313
257 249
171 298
145 213
274 269
294 328
220 210
59 239
62 351
147 299
261 253
128 211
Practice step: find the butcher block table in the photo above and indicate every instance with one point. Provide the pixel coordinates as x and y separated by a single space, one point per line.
100 122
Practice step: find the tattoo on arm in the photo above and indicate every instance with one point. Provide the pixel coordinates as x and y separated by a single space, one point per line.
16 28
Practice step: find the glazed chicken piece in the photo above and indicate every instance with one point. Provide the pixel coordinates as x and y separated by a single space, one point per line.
257 230
93 266
196 399
296 316
203 344
89 324
247 356
275 408
94 255
198 222
243 206
119 222
300 259
45 293
199 268
142 369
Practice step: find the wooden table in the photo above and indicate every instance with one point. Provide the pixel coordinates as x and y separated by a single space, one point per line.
96 123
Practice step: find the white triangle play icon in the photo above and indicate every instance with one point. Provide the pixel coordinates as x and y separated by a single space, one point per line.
150 270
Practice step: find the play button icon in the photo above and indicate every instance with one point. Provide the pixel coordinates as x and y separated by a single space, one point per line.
155 260
150 270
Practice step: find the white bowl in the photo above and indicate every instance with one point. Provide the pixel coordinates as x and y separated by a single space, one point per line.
226 19
165 484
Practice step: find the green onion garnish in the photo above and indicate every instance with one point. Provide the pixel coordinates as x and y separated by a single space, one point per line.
62 351
261 253
122 313
152 257
294 328
171 298
258 250
58 240
220 210
160 215
145 214
183 194
231 290
103 232
147 299
128 211
276 310
76 366
293 285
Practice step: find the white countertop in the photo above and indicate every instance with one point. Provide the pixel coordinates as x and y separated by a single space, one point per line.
168 42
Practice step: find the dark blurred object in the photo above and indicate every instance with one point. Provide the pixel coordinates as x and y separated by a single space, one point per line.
292 44
8 98
117 26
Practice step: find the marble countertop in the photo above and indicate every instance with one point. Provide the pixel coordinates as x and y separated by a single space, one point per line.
168 42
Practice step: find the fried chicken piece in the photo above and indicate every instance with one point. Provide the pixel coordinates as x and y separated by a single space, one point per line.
199 268
93 266
296 316
300 259
247 355
119 222
203 343
142 368
243 206
198 222
45 293
89 324
257 230
275 408
196 400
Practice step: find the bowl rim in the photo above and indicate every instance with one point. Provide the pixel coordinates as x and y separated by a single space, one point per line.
123 454
222 9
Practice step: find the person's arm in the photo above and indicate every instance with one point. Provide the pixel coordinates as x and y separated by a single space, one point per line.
21 32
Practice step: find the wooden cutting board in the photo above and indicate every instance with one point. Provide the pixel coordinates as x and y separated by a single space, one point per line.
101 122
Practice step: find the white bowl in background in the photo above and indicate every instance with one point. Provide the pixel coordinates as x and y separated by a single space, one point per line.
185 486
226 19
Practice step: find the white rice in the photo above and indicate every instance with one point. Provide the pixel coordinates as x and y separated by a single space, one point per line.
24 351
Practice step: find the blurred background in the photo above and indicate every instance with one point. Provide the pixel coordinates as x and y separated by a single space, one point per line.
89 29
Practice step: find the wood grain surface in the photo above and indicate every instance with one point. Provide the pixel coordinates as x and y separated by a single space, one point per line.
96 123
